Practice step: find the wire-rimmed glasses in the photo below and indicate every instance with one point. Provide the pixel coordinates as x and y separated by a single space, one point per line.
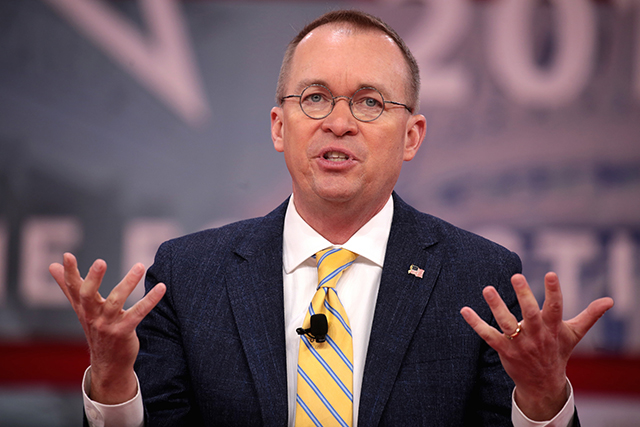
366 104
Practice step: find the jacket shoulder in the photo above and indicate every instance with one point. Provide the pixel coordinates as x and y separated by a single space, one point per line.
231 235
458 244
434 229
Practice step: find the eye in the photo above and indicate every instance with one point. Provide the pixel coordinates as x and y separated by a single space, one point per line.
315 97
368 103
371 102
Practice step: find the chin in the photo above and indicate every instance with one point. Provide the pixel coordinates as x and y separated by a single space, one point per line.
336 195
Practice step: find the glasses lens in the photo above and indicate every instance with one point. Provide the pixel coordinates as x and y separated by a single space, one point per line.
315 101
367 104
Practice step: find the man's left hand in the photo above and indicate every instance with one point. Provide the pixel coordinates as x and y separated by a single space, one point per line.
535 351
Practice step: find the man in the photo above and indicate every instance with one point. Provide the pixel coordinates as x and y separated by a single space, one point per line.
221 346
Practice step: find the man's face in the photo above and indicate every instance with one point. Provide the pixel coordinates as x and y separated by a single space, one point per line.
339 159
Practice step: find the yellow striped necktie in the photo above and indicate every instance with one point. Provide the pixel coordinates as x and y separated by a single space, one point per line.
325 370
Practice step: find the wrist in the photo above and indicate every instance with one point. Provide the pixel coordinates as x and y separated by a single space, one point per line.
112 388
542 403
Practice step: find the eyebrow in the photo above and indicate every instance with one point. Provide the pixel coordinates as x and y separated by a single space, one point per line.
308 82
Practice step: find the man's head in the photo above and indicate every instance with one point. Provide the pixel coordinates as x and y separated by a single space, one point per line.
341 165
357 21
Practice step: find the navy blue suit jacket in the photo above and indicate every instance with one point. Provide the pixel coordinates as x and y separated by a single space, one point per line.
213 350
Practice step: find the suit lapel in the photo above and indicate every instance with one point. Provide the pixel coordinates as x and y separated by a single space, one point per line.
402 299
256 294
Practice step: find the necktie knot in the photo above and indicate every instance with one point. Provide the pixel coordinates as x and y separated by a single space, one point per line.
331 263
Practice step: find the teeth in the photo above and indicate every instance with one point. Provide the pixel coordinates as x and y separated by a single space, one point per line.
336 156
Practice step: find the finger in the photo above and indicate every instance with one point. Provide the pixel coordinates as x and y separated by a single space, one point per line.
506 320
57 272
528 303
488 333
589 316
72 279
552 307
140 309
89 295
116 299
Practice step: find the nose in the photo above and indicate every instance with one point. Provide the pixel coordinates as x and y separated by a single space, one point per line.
341 122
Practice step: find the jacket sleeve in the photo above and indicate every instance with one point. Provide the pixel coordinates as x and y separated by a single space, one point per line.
490 403
161 364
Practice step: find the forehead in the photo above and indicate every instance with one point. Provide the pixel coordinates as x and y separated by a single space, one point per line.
345 59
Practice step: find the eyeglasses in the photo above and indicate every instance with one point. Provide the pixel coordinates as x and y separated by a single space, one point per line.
366 104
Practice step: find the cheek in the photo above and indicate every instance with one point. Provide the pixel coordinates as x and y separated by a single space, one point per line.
390 146
295 156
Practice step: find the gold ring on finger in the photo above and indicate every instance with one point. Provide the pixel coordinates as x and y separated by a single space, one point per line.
517 331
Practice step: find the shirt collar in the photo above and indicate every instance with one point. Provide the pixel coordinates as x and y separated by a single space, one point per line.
300 241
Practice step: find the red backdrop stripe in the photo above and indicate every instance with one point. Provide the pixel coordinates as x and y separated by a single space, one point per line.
61 364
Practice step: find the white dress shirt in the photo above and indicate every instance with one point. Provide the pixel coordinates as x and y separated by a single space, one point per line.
357 287
358 291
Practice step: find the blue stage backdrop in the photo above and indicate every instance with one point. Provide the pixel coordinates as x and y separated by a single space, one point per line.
125 123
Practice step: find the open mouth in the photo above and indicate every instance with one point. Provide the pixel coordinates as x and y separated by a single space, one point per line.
335 156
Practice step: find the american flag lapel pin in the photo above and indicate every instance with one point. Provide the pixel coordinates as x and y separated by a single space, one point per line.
416 271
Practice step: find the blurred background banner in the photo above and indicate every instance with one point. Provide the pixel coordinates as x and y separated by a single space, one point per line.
126 123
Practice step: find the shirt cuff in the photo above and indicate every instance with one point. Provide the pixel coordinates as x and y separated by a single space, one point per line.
564 418
127 414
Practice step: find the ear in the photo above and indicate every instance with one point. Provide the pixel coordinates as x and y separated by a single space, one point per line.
416 130
277 128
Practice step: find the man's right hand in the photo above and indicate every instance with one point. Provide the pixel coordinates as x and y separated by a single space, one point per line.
110 330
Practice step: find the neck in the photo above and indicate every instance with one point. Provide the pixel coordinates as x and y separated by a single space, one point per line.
338 221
